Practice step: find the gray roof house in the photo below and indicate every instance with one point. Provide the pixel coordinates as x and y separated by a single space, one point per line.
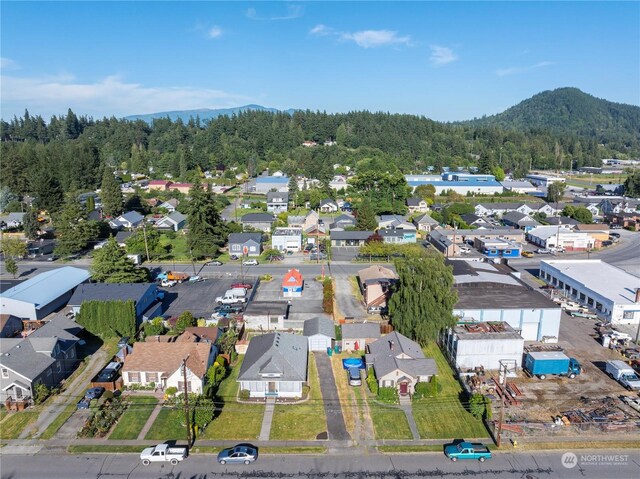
258 221
328 206
399 362
349 238
175 221
11 220
342 222
9 325
277 202
275 365
144 295
519 220
425 223
46 356
355 336
320 332
170 205
131 219
251 241
417 205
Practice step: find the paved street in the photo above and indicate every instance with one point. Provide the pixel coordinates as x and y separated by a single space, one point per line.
619 464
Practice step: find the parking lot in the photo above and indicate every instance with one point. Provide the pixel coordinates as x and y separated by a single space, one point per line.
306 307
199 297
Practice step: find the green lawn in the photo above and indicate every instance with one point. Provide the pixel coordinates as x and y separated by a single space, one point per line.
179 249
389 422
134 418
168 425
236 421
14 423
57 423
444 416
301 421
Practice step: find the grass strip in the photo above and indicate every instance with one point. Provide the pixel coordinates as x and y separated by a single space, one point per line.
15 422
134 418
404 449
57 423
88 449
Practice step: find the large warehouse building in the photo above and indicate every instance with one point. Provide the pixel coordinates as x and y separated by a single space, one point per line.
611 292
488 293
43 294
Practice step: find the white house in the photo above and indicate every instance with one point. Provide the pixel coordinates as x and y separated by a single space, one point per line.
328 206
287 239
320 332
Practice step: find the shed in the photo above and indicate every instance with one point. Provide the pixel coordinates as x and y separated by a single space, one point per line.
320 332
292 284
355 336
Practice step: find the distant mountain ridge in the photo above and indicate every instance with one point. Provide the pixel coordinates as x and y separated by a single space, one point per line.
570 110
203 113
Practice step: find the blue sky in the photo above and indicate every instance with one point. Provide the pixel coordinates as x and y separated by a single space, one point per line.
444 60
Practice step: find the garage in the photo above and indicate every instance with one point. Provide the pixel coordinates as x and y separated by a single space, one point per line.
320 333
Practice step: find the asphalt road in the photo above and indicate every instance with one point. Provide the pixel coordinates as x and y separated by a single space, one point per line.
622 464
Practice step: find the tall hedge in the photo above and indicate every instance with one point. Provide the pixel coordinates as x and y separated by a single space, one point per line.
108 319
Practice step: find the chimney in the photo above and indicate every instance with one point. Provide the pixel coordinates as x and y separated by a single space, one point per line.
637 295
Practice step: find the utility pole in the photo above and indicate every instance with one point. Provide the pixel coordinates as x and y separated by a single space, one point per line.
502 377
186 400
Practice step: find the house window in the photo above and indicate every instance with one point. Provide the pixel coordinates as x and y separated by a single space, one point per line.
273 320
5 373
134 377
181 386
235 247
627 315
152 377
582 296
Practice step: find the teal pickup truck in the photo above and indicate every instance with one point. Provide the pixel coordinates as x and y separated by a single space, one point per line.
466 450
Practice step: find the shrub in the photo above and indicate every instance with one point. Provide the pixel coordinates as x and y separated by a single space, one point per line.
244 394
477 406
171 391
266 277
372 382
40 393
388 395
327 296
422 390
305 391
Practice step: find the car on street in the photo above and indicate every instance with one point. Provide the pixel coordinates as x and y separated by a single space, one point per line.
228 308
84 403
317 255
543 251
240 454
242 284
527 254
234 257
615 227
94 393
250 262
214 263
614 235
607 243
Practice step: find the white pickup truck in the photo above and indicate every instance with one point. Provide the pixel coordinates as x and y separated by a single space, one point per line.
233 296
163 453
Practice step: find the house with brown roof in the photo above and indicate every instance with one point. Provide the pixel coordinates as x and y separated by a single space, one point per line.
161 185
160 363
375 284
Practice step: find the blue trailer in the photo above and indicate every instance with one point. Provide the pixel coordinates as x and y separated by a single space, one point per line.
546 363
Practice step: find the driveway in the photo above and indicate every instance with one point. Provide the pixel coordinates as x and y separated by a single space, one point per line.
335 421
70 428
348 304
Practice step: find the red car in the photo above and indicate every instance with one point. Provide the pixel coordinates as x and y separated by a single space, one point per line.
242 285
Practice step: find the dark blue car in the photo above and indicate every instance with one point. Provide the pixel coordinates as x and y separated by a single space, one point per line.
94 393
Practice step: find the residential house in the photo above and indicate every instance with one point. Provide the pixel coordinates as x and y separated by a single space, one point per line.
599 231
328 206
349 238
258 221
375 285
550 210
11 220
169 205
287 239
247 244
474 220
561 236
398 236
175 221
561 220
266 315
343 222
181 187
130 220
292 284
320 333
610 189
264 184
277 202
10 325
499 209
626 220
196 334
448 241
519 220
145 296
399 363
275 365
355 336
346 206
41 247
308 223
395 222
425 223
339 182
160 185
46 356
161 364
417 205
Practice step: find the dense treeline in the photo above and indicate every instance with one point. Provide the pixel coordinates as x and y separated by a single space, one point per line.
73 152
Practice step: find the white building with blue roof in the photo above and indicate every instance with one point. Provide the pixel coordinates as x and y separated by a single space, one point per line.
43 294
461 183
264 184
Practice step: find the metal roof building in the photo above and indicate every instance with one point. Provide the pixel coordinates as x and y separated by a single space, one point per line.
41 295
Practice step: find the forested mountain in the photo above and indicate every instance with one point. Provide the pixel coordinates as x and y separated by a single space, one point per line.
72 151
569 110
202 114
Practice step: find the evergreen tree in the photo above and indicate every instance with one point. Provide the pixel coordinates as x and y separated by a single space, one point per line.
30 224
73 230
47 191
423 298
91 204
112 199
632 185
111 265
207 231
293 189
555 192
366 217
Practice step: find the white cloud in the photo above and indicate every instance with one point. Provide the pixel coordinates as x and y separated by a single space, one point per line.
515 70
214 32
293 12
442 55
8 64
376 38
321 30
109 96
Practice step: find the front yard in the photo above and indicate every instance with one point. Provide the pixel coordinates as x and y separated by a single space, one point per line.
14 423
445 416
302 421
168 425
134 418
